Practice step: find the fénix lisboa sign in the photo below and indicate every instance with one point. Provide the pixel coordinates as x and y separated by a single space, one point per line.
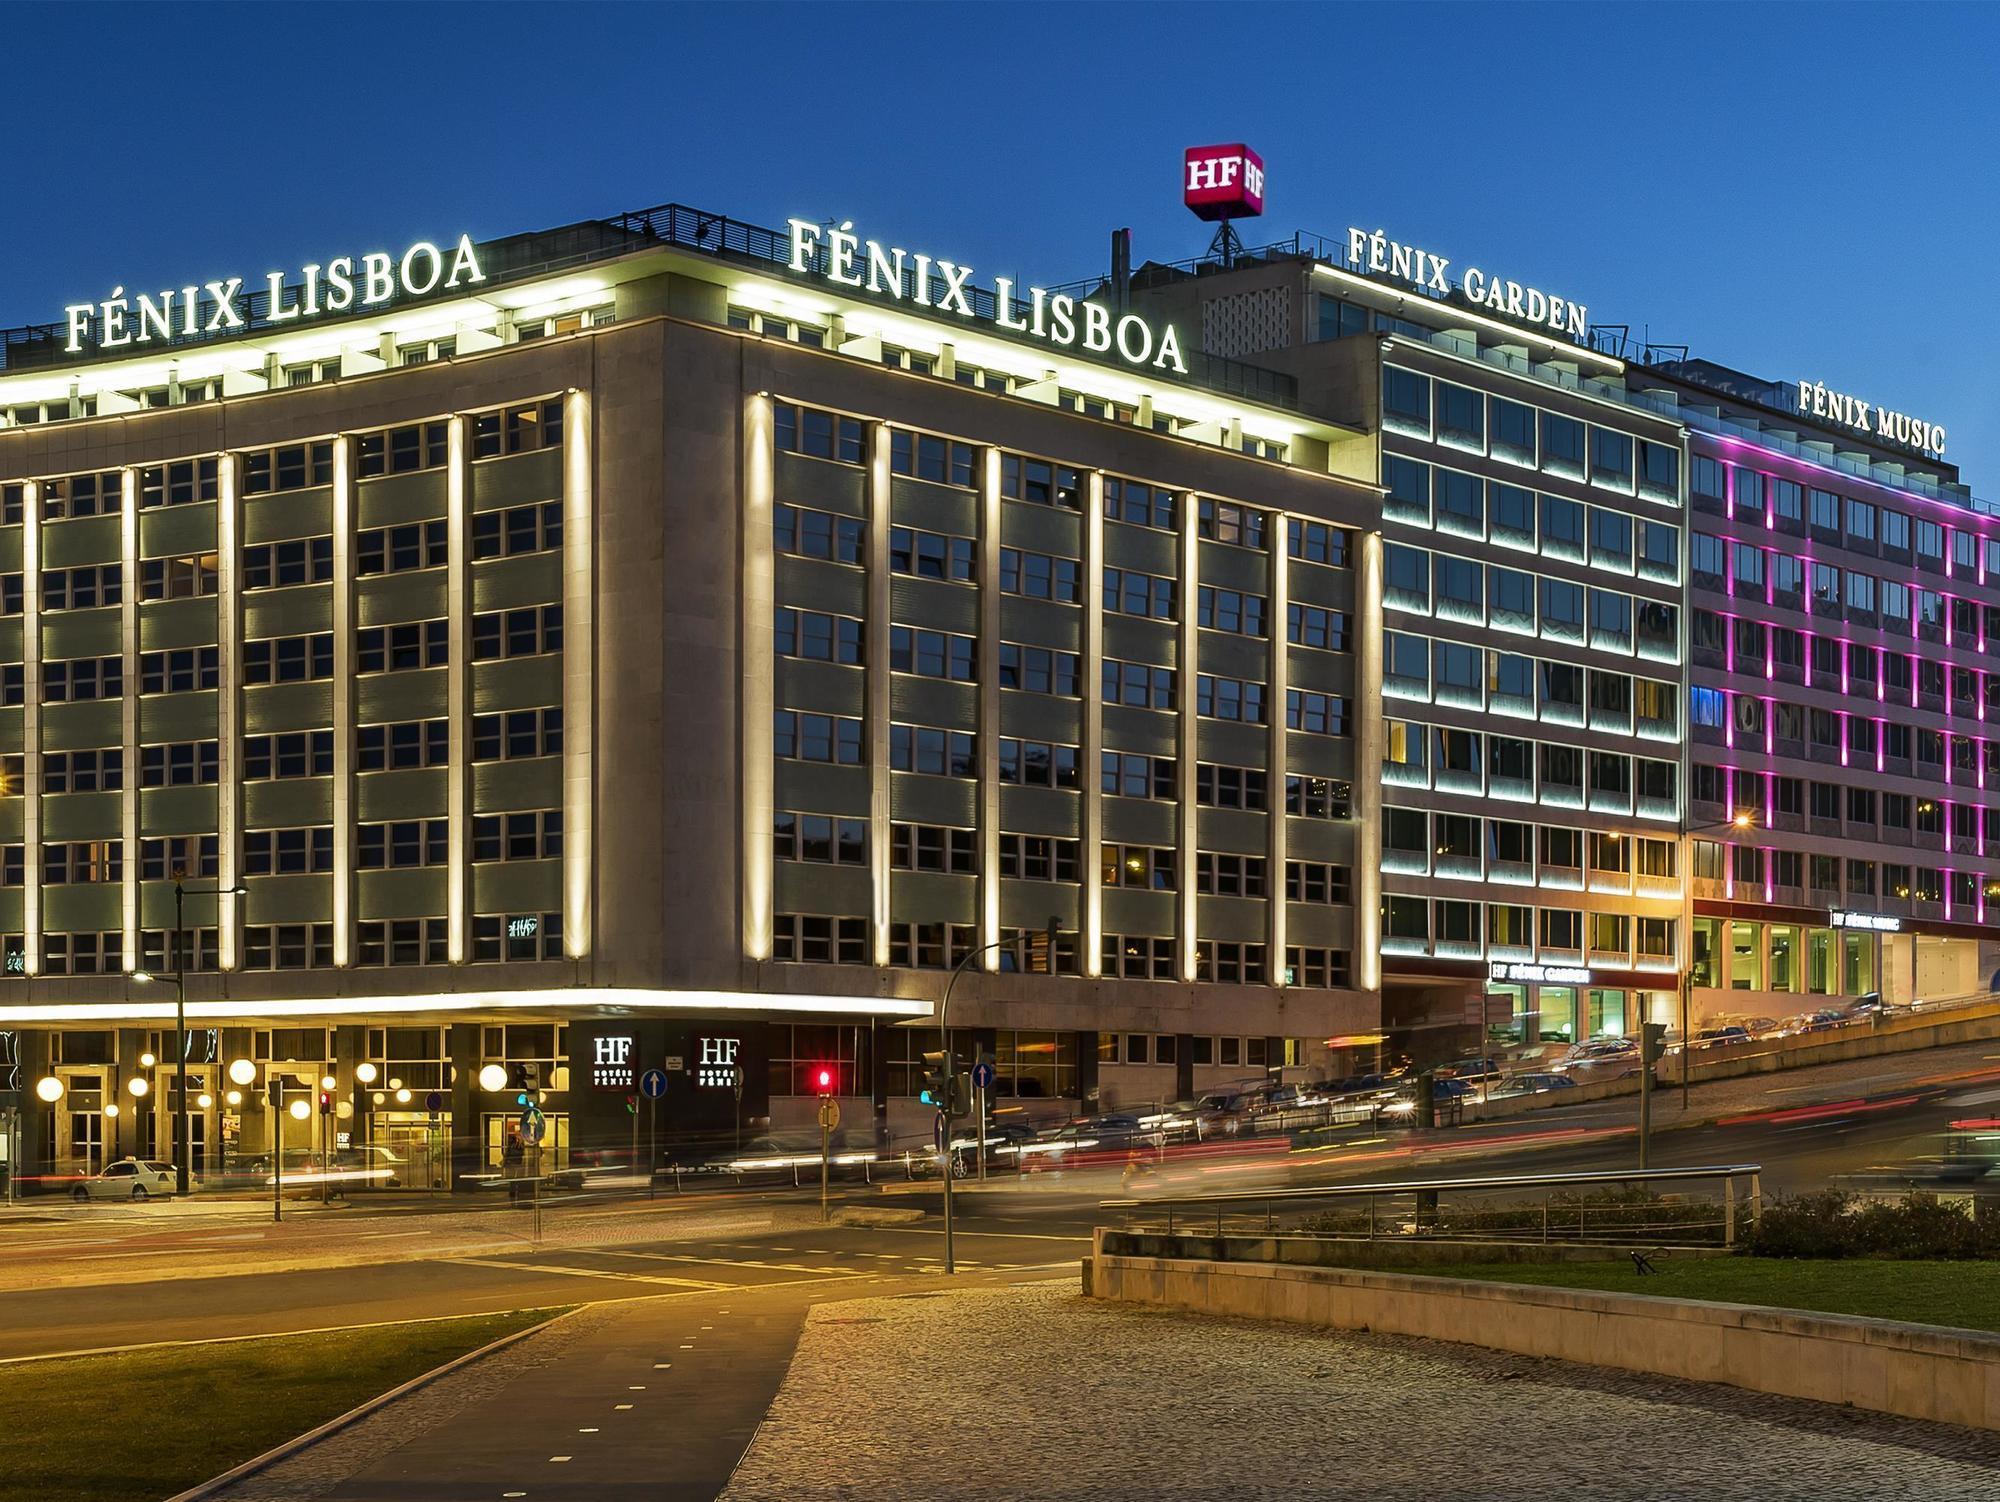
340 285
845 259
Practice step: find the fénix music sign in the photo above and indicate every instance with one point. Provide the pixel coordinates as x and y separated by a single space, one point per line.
1814 399
844 258
341 285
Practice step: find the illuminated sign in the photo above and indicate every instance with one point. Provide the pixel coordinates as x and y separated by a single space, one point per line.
1378 254
341 285
523 928
1877 923
716 1068
1223 182
611 1061
843 258
1539 975
1815 400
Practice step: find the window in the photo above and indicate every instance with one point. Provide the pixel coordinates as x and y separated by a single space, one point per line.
1038 670
516 633
1318 797
414 644
1223 875
1318 714
924 456
1461 503
1513 431
1036 857
288 946
82 588
186 481
528 529
912 847
1127 775
806 533
1313 626
178 856
1229 699
517 836
180 671
1040 483
929 946
1038 764
404 450
1460 589
1039 576
395 550
818 434
269 565
1512 514
1562 528
1139 684
1610 620
1562 445
285 852
817 637
1223 521
1135 957
291 467
378 748
1230 787
1409 490
1406 577
81 954
933 555
1461 417
932 654
402 941
799 736
1144 866
1610 459
1129 592
517 734
1406 401
1610 539
288 659
96 771
402 844
83 678
1229 964
1511 596
1231 610
1705 478
181 764
1659 471
1316 882
85 861
922 748
1140 505
1316 542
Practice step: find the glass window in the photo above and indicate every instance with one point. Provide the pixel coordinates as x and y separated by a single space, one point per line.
1461 417
1406 401
1610 459
1562 445
1562 528
1513 431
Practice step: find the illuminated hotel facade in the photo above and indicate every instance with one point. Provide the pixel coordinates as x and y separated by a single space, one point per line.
665 643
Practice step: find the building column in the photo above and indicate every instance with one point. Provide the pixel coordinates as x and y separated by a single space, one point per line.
31 728
343 702
229 712
1367 787
989 711
757 676
467 1150
1278 823
875 716
128 628
1187 744
458 691
579 678
1090 942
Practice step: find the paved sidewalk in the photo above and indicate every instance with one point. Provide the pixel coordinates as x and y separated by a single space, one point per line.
1039 1393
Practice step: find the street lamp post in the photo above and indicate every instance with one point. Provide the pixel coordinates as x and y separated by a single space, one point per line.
183 1145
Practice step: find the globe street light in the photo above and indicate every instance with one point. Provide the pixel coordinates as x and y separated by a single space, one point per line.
365 1072
182 1145
242 1072
49 1088
493 1077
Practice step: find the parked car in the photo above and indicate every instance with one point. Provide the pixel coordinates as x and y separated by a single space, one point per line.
127 1179
1531 1084
1600 1059
1820 1020
1720 1037
1471 1069
1094 1139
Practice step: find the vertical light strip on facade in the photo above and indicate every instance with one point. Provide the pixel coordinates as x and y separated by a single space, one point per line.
343 701
876 688
1186 742
458 689
1274 698
989 707
1091 940
228 705
755 673
1367 789
31 727
128 631
579 676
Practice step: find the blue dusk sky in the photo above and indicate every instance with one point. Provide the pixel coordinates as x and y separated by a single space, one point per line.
1794 190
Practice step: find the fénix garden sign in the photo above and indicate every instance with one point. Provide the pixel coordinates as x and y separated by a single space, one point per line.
844 258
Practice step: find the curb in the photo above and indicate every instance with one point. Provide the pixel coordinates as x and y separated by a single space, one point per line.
334 1425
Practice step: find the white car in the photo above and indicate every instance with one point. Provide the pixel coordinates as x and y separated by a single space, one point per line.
127 1179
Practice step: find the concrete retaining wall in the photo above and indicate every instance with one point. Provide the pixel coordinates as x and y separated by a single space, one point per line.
1917 1371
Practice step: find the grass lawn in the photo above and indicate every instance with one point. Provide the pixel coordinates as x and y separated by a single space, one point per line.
147 1424
1963 1294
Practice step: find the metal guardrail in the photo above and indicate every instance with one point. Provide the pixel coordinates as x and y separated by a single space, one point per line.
1423 1193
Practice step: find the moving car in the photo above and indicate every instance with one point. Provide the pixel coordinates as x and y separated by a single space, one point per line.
127 1179
1531 1084
1600 1059
1721 1037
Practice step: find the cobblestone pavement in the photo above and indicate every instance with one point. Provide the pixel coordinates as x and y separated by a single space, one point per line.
1039 1393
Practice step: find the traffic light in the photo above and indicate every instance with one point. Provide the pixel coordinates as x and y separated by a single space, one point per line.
527 1081
278 1091
823 1079
937 1081
326 1103
1652 1041
631 1105
1042 949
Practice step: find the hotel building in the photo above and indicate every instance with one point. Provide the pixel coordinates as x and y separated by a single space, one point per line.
664 643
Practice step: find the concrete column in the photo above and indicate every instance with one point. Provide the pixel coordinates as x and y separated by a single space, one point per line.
1277 825
229 711
343 701
989 709
759 596
1187 747
31 727
1090 942
1367 790
128 625
458 691
875 718
579 677
467 1145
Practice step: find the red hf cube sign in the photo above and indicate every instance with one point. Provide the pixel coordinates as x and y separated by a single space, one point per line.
1223 182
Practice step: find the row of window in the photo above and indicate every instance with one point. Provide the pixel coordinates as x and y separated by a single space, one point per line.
1760 577
1513 516
1550 856
1510 683
1409 924
1459 417
1512 600
1777 875
1862 742
1517 768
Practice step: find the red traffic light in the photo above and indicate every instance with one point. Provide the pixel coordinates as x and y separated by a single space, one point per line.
823 1079
325 1103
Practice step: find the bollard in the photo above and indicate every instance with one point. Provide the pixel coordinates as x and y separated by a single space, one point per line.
1729 1212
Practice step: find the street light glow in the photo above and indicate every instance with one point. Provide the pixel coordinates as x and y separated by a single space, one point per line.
111 1109
138 1086
242 1072
301 1110
204 1100
146 1060
365 1072
49 1088
234 1097
493 1077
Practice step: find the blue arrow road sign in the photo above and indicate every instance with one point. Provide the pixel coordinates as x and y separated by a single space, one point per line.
982 1076
534 1125
653 1084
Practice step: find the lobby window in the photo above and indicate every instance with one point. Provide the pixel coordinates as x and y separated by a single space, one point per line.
819 434
518 430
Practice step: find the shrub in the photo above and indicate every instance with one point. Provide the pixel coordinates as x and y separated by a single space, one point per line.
1916 1227
1806 1225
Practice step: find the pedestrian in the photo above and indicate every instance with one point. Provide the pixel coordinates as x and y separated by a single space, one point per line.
512 1156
